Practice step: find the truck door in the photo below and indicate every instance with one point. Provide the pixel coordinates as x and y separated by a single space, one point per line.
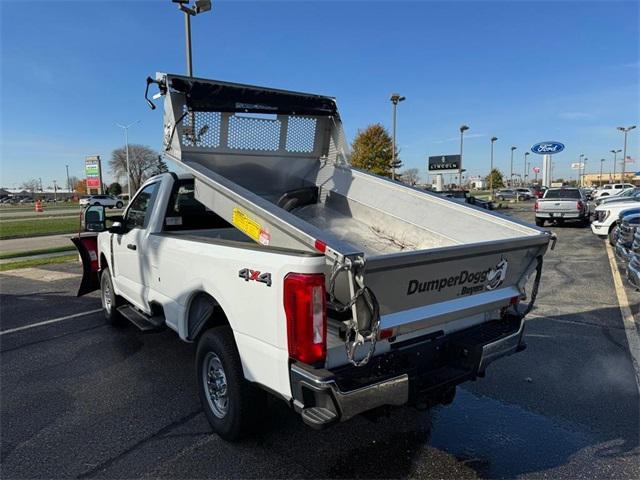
130 268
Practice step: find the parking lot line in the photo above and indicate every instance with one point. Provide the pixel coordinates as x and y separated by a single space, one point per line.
47 322
633 339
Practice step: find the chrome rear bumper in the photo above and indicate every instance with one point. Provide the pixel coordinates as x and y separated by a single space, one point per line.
321 400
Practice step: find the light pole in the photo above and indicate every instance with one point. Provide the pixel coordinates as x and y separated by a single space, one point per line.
55 192
526 169
493 140
624 154
513 149
126 143
396 98
463 128
68 183
615 161
584 171
602 160
199 6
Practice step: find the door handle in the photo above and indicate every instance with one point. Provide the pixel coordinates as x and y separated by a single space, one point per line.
131 246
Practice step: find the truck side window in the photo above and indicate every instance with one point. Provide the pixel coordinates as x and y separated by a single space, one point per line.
184 212
140 208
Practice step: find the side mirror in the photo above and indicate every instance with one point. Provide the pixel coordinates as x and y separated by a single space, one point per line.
117 227
93 219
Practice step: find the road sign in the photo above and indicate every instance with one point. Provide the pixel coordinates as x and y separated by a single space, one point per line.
444 163
577 166
547 148
536 169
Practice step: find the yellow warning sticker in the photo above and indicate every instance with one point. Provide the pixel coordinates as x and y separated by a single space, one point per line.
247 225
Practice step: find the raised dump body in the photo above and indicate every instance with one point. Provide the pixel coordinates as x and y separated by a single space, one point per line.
275 164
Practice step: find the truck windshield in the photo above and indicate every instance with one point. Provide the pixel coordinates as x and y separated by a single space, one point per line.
563 193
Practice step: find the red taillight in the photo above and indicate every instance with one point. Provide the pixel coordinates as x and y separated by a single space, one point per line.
306 310
536 206
580 205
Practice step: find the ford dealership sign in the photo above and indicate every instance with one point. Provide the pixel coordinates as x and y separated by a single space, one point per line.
547 148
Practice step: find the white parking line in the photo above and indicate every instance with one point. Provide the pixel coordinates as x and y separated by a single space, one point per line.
633 339
47 322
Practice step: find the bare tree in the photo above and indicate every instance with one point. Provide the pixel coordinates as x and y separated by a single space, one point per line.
72 181
410 176
31 185
143 161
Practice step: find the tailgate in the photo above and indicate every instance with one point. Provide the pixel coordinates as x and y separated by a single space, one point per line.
553 206
418 290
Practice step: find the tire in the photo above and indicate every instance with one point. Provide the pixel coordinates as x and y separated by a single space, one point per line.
610 236
97 204
230 403
540 222
110 301
119 205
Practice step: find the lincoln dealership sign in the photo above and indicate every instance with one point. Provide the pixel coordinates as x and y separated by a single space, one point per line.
444 163
547 148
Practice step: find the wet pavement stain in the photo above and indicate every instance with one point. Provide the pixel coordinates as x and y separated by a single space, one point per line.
499 440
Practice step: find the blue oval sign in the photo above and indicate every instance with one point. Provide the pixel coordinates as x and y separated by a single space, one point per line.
547 148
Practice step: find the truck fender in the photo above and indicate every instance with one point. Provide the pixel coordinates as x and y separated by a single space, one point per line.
203 312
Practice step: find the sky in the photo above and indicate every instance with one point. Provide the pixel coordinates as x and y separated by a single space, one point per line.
521 71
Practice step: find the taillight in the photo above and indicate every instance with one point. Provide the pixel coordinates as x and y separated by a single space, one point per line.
580 205
306 310
536 206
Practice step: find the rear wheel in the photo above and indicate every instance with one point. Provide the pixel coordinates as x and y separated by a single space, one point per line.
540 222
230 403
110 301
119 205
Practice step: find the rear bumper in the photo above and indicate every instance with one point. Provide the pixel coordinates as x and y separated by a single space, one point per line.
561 215
416 371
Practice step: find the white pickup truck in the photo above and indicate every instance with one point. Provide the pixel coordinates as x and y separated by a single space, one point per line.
333 289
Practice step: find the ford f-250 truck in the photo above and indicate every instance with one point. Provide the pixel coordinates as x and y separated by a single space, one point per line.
338 291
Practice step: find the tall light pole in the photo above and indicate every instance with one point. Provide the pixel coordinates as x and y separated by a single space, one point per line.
615 161
602 160
580 167
463 128
396 98
624 154
199 6
513 149
126 143
68 183
493 140
584 171
526 168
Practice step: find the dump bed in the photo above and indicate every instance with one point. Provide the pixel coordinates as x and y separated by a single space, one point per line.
275 164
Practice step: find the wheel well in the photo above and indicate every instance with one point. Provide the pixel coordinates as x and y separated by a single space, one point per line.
203 313
103 262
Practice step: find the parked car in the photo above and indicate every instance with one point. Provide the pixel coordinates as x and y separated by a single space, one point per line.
103 200
627 226
606 216
561 204
611 189
588 192
614 234
526 192
509 194
633 267
619 197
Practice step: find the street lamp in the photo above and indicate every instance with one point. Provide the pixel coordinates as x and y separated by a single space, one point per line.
493 139
199 6
602 160
580 167
68 183
396 98
584 172
511 173
463 128
615 161
126 143
624 154
526 168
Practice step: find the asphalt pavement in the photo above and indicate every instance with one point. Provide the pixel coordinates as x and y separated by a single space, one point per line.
84 400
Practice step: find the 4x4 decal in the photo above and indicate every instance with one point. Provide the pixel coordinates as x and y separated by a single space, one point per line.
255 276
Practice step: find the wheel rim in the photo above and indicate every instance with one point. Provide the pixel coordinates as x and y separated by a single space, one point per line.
106 297
214 381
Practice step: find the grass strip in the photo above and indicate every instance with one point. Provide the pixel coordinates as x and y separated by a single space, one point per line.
39 251
36 262
37 227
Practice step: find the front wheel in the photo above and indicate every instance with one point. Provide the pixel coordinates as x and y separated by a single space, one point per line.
119 205
230 403
110 301
612 236
97 204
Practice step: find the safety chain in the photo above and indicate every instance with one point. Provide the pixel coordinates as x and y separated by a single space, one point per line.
353 337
